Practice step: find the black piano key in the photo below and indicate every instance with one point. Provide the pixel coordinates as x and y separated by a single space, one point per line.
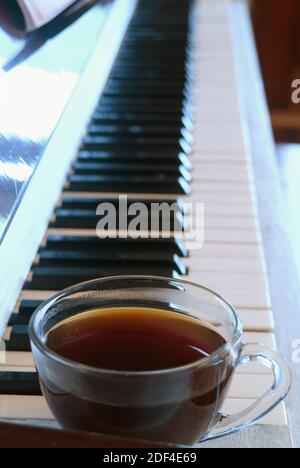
133 143
19 339
155 63
135 52
127 184
71 202
139 170
58 259
143 36
26 310
146 101
20 383
67 219
154 87
91 204
13 319
51 278
115 246
142 118
127 72
144 157
88 219
137 130
153 107
136 118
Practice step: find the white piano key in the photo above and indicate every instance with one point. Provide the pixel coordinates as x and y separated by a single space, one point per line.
276 417
24 407
235 174
257 320
232 212
230 280
4 368
265 339
246 299
233 236
18 360
224 222
226 265
253 369
247 386
245 251
220 187
219 200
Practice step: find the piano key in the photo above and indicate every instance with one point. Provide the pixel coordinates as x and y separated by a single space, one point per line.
229 251
60 278
221 187
89 203
233 173
18 339
131 73
276 417
27 407
102 169
265 339
149 91
247 386
230 222
228 279
248 267
134 156
25 312
224 201
144 87
87 219
119 117
247 299
126 184
232 236
257 320
138 129
94 244
18 360
135 143
145 101
19 383
58 259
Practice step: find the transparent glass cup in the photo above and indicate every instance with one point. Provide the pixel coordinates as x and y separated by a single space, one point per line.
180 405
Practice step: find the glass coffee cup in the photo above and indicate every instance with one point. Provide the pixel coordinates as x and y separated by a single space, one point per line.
181 405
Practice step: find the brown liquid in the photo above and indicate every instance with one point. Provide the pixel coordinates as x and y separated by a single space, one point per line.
175 407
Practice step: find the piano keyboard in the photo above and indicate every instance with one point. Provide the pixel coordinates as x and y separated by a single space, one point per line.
168 127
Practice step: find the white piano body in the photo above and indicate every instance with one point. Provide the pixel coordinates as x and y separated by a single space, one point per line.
246 254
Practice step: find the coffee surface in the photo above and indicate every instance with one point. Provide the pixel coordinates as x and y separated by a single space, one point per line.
133 339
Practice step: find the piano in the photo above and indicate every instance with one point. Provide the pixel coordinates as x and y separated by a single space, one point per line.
156 100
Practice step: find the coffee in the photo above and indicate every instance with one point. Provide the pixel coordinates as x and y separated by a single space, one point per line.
133 340
136 342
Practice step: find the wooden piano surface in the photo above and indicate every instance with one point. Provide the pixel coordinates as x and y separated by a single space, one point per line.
243 234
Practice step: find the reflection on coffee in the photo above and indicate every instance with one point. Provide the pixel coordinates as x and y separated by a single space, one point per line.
141 340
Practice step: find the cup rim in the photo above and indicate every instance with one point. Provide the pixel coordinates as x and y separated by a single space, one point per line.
200 363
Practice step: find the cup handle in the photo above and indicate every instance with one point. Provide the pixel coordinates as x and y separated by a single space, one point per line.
282 383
